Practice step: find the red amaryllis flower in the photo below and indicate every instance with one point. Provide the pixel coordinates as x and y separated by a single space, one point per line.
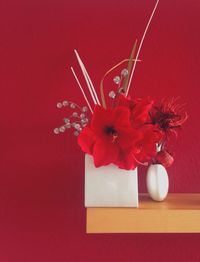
168 116
139 109
110 137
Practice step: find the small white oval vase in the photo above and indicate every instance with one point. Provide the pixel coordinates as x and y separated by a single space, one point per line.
157 182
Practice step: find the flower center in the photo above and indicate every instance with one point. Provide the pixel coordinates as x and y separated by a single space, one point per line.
165 120
110 131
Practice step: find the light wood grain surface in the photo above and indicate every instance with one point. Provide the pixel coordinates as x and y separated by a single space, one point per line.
179 213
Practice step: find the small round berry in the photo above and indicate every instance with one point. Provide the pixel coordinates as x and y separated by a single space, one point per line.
56 131
112 94
62 129
73 105
116 79
66 120
65 103
86 120
124 72
82 116
67 125
59 105
76 133
84 109
77 126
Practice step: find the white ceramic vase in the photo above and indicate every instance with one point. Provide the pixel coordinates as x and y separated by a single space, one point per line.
109 186
157 182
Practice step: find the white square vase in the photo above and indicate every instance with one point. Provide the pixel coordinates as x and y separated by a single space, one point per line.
110 186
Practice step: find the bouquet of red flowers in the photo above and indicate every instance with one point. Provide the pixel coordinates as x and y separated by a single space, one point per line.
129 132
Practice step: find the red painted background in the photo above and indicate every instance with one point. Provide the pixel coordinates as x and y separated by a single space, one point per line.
42 217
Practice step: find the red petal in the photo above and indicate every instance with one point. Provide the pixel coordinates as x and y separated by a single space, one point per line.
128 137
121 117
101 118
126 102
86 140
140 113
126 161
105 153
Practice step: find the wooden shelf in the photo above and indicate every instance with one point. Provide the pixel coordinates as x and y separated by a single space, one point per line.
179 213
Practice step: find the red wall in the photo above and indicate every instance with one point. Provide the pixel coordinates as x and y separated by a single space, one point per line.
42 217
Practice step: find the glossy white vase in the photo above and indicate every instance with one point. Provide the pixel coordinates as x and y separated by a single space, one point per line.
157 182
110 186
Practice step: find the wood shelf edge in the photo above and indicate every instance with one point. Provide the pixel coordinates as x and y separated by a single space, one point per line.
171 216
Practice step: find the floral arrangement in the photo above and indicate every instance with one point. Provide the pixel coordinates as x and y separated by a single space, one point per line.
126 132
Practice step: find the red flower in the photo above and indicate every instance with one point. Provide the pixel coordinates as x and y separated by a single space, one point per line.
168 117
139 109
110 137
119 136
